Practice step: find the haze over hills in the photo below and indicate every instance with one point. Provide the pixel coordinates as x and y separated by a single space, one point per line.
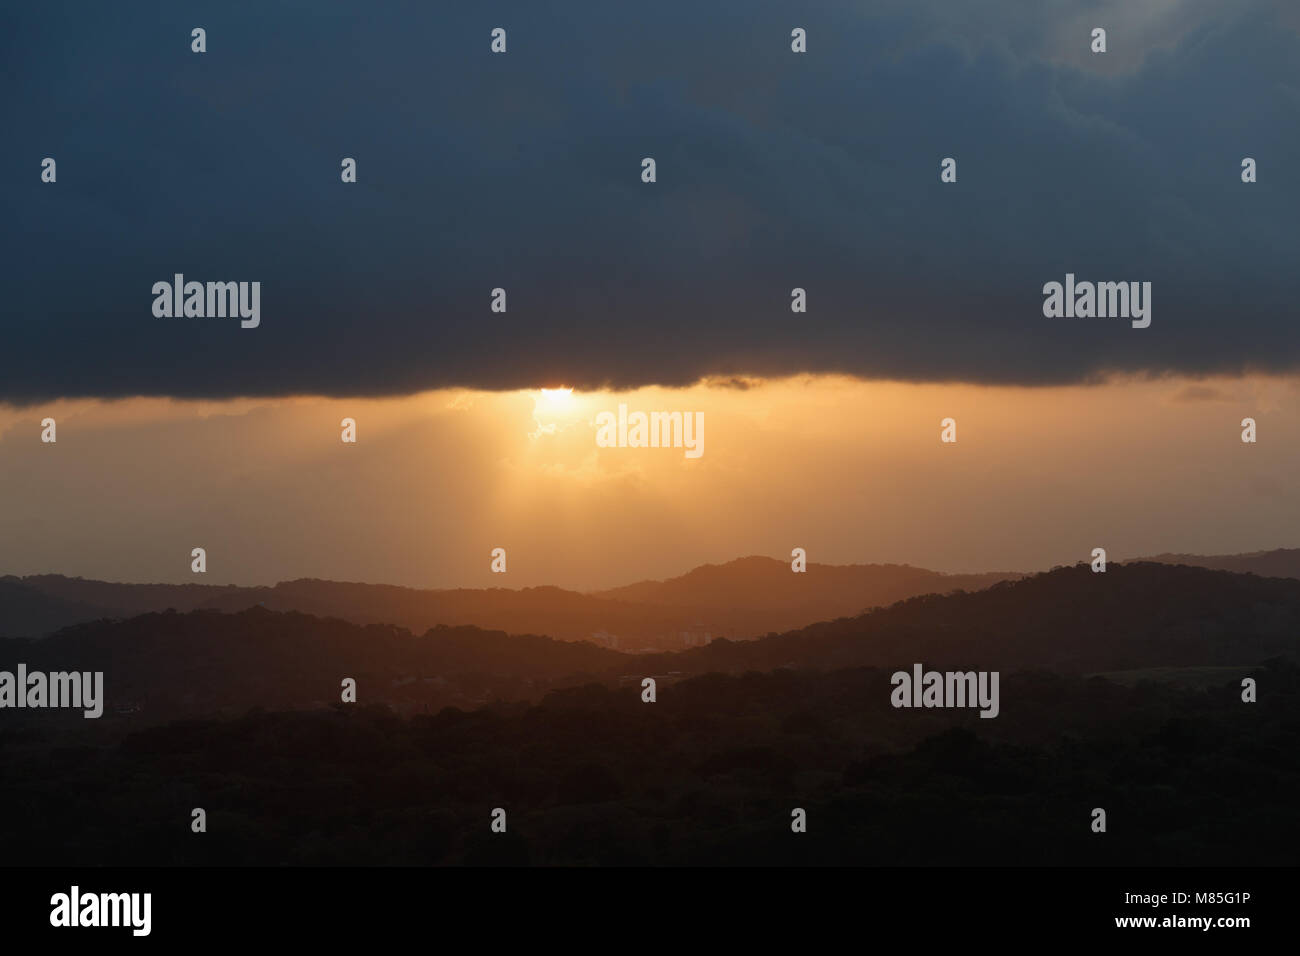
824 590
31 611
1278 563
1068 620
738 600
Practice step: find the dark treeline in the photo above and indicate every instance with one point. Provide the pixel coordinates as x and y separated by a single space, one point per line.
708 774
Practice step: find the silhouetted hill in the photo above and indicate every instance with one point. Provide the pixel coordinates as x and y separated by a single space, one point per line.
28 611
564 615
127 600
1068 620
752 596
200 662
737 600
1279 563
830 590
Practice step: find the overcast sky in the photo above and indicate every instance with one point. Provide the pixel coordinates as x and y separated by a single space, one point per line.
522 171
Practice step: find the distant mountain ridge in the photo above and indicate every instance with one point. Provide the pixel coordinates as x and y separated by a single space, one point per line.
771 585
32 611
1068 621
1278 563
741 599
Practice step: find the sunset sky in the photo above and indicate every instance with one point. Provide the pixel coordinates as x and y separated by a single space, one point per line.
522 171
852 471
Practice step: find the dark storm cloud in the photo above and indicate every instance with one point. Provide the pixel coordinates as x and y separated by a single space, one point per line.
523 171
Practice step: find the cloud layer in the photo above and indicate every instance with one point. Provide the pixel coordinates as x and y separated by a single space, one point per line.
522 171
